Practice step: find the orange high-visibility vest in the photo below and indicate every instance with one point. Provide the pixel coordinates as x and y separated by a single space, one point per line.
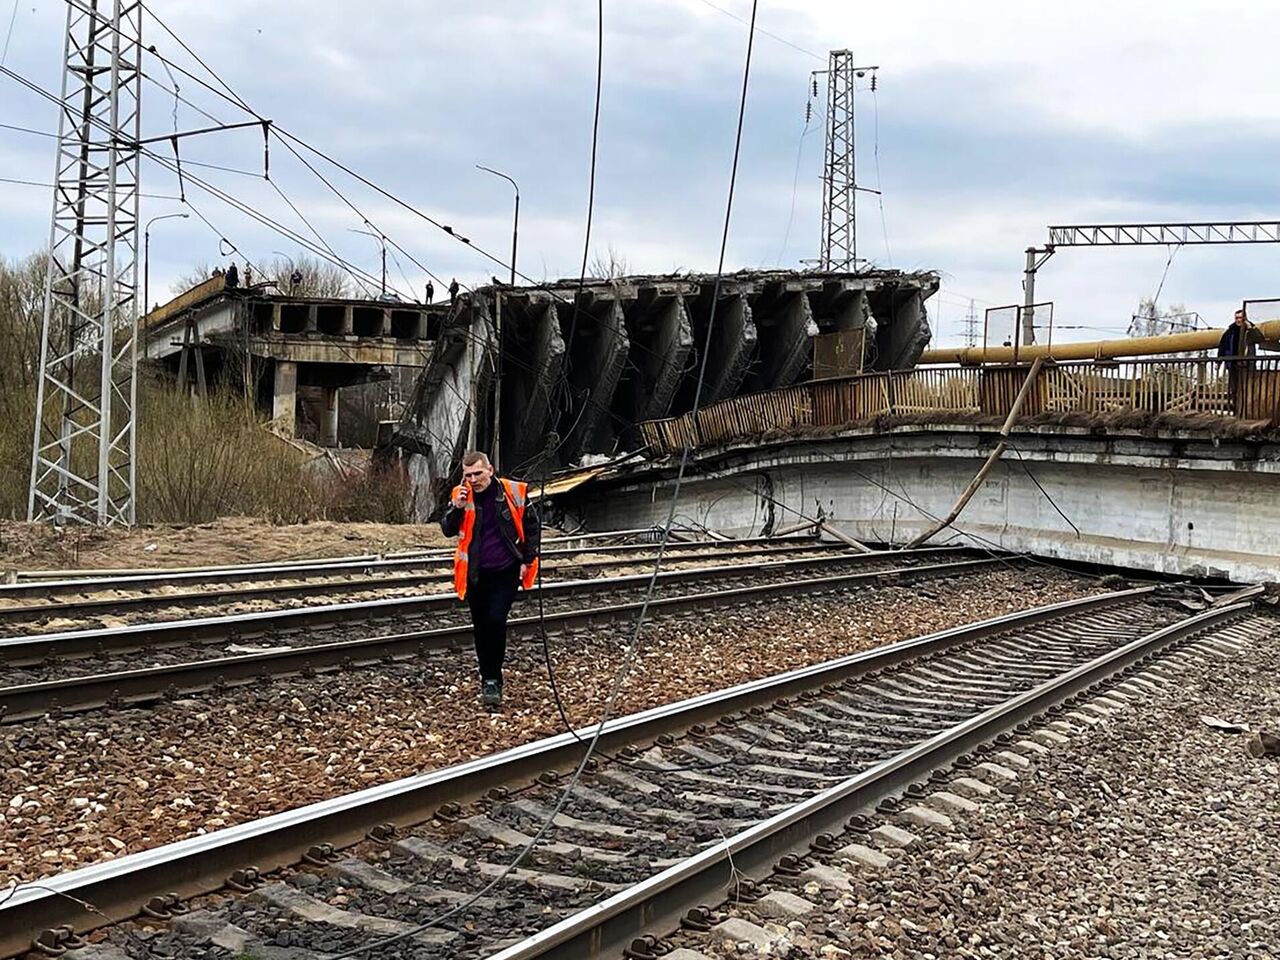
516 494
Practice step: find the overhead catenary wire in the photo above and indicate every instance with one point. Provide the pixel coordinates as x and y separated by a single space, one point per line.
875 109
186 177
632 647
13 17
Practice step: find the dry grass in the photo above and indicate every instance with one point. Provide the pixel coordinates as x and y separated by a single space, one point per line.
203 459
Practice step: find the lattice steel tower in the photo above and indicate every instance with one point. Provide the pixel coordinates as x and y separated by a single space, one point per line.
839 227
83 452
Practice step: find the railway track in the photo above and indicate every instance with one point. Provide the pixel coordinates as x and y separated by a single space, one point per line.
64 596
93 668
680 801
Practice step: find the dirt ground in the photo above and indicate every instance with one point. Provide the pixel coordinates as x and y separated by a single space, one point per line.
26 546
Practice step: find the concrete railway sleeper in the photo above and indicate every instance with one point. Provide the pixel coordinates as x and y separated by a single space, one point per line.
682 800
198 595
731 586
35 648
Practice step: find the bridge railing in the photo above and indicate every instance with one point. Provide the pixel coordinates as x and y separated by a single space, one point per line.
1173 388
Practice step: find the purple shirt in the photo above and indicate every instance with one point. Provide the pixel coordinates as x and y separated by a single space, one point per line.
490 549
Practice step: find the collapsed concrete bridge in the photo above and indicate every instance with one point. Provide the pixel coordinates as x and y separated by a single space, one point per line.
554 375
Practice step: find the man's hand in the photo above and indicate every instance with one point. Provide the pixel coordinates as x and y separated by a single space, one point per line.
460 500
523 568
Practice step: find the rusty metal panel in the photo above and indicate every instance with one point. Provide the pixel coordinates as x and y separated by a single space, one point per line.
1260 392
839 354
998 388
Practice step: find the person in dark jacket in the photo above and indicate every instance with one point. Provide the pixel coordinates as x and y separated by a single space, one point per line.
1238 340
499 540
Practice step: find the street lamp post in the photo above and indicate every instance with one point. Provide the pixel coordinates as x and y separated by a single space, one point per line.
515 236
146 257
293 268
383 241
515 222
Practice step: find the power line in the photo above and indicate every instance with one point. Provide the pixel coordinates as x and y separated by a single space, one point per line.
9 35
50 186
763 32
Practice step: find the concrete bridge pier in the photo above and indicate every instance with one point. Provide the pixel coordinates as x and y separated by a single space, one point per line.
284 396
328 416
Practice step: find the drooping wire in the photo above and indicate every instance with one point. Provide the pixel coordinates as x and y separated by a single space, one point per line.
632 648
875 109
795 178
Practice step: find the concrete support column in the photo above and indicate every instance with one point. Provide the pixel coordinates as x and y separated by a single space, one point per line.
348 321
284 397
328 416
312 323
275 318
386 323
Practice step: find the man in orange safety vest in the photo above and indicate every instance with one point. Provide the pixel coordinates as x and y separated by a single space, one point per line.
499 539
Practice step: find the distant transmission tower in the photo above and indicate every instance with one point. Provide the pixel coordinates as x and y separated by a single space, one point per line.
971 326
83 452
839 246
839 226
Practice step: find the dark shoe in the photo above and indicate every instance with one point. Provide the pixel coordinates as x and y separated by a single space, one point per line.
491 693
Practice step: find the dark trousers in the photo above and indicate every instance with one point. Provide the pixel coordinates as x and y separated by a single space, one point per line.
490 598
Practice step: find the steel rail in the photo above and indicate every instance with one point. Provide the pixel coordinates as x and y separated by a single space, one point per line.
148 684
657 904
138 579
119 888
381 583
109 572
35 647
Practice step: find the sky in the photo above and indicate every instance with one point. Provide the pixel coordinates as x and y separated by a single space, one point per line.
990 121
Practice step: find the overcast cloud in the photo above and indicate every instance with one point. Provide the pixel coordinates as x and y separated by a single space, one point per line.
994 120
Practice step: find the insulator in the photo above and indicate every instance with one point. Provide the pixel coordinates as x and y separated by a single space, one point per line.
873 83
808 111
815 86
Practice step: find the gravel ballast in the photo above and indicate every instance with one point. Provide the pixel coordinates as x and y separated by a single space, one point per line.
87 788
1128 828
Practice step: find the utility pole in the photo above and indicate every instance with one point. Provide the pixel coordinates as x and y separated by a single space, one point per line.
971 326
84 445
838 249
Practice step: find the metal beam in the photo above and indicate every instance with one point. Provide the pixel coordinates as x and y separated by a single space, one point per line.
1163 234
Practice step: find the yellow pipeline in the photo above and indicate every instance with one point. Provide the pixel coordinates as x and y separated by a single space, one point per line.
1095 349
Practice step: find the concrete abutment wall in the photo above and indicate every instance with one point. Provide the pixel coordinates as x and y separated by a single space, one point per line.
1132 503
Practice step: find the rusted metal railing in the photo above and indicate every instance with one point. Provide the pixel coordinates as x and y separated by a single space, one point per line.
1247 389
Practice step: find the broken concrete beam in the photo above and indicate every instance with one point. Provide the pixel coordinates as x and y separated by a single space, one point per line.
660 353
902 337
534 353
597 349
784 341
733 346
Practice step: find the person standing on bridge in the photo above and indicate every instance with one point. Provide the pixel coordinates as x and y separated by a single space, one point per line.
431 292
499 541
453 292
1238 341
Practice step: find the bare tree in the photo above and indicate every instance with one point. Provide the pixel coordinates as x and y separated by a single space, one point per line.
609 266
317 278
